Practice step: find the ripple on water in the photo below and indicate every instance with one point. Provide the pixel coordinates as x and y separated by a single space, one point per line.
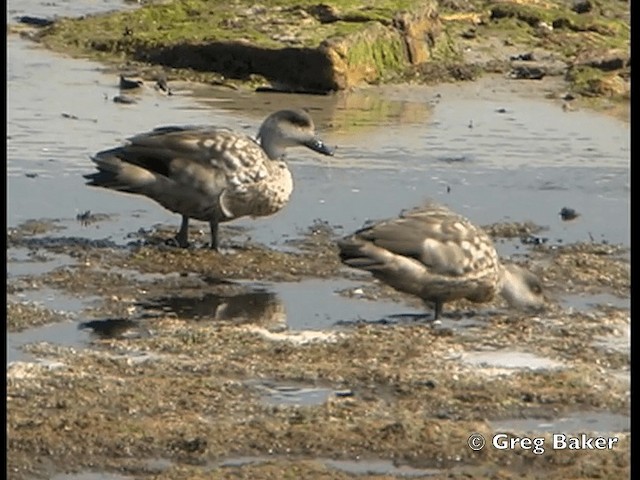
56 300
379 467
311 304
90 476
576 422
371 466
65 333
287 394
514 159
23 261
585 301
503 361
620 343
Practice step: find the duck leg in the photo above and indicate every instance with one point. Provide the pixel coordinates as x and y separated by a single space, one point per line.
437 310
183 235
214 235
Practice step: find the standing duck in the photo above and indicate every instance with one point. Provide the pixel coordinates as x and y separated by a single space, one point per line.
210 173
439 256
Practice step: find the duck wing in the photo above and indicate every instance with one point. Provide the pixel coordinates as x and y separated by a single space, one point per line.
168 150
443 241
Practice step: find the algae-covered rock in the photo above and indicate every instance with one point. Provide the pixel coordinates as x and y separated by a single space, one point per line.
301 45
306 45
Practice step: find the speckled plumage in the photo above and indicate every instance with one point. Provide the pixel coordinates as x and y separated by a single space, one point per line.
210 173
439 256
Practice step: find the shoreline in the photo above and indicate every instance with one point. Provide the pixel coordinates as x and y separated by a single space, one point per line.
473 41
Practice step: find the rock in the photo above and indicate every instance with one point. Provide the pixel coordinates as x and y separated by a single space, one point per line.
567 214
35 21
124 100
525 57
420 30
324 13
582 6
366 55
521 72
608 60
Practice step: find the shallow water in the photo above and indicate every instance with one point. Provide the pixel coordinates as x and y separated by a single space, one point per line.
378 467
370 466
22 261
90 476
522 165
54 300
583 302
577 422
284 394
66 334
510 360
63 8
501 157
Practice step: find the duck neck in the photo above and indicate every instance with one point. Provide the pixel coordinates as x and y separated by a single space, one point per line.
273 150
504 282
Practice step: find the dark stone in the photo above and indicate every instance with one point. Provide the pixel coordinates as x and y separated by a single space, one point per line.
124 100
568 214
582 6
35 21
527 73
525 57
562 22
469 34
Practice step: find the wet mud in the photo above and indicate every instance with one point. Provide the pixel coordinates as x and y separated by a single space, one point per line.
155 380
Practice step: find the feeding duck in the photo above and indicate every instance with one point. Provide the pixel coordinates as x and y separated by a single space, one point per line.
439 256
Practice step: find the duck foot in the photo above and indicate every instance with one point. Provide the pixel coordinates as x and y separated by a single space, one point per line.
176 243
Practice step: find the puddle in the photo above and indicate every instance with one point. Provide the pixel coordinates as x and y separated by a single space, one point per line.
89 476
22 261
579 422
452 324
378 467
139 276
315 305
351 467
242 461
54 300
64 8
306 305
66 333
158 464
259 307
274 393
509 360
584 302
615 343
63 333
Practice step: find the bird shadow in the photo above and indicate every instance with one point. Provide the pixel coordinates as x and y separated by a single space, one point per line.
111 328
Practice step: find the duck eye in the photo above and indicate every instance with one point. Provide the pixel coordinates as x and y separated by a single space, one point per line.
537 289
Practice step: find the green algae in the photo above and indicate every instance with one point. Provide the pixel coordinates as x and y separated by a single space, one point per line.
196 21
383 51
190 33
188 36
593 82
